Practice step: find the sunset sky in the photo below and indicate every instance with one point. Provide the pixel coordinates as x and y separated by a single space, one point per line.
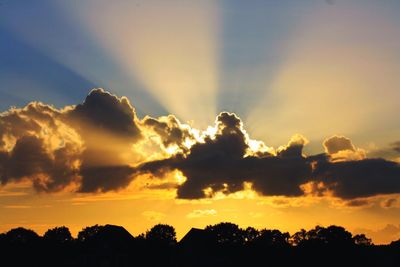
274 114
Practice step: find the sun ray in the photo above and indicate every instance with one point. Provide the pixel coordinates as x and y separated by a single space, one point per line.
170 47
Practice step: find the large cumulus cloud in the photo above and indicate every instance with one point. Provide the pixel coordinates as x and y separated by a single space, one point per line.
37 145
359 178
107 113
79 145
220 164
99 145
48 171
108 125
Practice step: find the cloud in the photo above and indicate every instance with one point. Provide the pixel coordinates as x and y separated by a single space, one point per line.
341 148
101 145
171 132
105 178
37 145
388 203
396 146
107 125
382 236
335 144
220 164
388 152
107 113
30 159
81 146
201 213
17 207
256 215
285 176
360 178
357 202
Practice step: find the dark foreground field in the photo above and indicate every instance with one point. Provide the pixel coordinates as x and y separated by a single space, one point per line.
224 244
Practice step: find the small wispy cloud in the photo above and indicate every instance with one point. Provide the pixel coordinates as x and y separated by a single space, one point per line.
4 193
201 213
17 207
256 215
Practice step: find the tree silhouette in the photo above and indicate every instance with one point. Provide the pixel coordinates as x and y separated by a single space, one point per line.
395 244
362 240
299 237
319 236
88 233
58 235
226 233
21 235
335 235
250 234
223 244
272 238
163 234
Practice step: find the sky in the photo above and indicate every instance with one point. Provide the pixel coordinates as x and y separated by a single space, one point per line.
273 114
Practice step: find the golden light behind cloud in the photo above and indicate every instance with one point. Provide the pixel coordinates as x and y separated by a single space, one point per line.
171 47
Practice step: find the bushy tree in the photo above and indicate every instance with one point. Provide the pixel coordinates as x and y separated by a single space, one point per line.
250 234
362 240
395 244
332 235
89 233
336 235
162 234
298 237
273 238
226 233
21 235
58 235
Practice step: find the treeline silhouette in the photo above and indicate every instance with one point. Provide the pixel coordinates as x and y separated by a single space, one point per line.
223 244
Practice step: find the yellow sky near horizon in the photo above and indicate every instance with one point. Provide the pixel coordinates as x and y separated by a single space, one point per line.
139 211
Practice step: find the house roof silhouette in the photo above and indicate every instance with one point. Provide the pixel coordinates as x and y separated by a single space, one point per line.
112 236
196 237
